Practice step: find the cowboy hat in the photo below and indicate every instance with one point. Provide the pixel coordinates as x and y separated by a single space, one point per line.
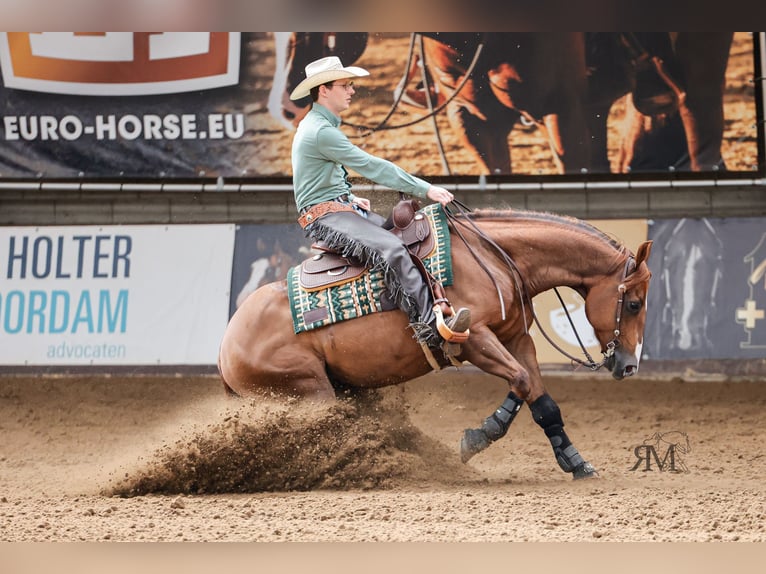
325 70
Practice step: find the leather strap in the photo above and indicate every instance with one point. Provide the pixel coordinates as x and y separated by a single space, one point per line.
316 211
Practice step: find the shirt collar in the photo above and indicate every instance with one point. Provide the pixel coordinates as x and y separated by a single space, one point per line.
331 117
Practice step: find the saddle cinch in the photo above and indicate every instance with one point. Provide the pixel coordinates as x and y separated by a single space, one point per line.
328 268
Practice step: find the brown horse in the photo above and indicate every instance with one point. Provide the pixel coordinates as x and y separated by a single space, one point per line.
504 77
566 83
505 259
687 133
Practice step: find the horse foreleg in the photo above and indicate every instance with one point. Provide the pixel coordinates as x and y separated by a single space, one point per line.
486 138
702 110
547 414
569 141
486 352
597 116
494 427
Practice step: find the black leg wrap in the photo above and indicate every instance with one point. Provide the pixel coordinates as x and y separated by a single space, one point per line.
495 426
546 413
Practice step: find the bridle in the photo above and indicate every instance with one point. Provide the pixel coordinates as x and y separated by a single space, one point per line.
518 279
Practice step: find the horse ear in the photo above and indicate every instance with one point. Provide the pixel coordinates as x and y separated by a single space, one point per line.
643 252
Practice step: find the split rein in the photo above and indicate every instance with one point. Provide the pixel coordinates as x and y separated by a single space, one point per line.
525 300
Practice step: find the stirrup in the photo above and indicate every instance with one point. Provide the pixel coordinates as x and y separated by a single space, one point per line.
457 330
450 350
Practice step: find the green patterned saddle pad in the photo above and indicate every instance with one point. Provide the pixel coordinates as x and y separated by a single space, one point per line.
362 295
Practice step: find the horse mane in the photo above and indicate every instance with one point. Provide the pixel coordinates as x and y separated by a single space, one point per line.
565 220
639 275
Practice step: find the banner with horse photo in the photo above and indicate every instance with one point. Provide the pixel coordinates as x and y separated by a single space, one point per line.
516 106
709 292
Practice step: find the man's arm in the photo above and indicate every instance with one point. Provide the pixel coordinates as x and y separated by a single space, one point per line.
336 147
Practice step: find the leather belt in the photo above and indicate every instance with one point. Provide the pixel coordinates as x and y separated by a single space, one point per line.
316 211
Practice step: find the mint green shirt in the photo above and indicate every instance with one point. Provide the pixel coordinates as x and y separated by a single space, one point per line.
321 153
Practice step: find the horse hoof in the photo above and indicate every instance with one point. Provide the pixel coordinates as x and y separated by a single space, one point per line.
474 441
585 470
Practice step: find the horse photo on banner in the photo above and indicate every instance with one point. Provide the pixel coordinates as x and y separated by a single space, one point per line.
172 105
708 300
542 103
263 254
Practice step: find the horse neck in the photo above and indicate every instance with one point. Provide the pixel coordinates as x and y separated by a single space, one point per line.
553 251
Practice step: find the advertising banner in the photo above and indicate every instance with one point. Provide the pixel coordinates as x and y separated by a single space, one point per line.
708 294
263 254
114 295
180 105
162 295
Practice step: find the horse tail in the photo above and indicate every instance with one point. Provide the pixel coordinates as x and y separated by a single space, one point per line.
229 391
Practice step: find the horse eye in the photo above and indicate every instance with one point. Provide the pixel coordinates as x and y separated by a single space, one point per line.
634 306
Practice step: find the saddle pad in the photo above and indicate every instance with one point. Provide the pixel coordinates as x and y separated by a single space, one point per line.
362 296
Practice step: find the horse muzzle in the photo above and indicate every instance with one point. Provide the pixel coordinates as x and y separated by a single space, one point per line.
622 365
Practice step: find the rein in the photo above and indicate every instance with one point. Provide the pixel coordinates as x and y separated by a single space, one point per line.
516 275
525 300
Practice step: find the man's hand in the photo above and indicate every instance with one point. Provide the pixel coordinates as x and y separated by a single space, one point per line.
362 202
436 193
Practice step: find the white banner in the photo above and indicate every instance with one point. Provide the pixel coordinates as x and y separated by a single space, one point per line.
114 295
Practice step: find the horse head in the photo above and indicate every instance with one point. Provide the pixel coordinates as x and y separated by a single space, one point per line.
616 308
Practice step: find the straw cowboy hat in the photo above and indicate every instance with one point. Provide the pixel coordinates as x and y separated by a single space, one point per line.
325 70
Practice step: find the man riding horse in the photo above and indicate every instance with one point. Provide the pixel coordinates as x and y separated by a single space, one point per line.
330 213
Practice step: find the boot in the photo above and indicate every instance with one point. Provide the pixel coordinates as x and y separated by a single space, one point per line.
447 333
458 325
454 327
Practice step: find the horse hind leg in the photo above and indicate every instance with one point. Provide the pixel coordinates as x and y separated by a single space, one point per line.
227 389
